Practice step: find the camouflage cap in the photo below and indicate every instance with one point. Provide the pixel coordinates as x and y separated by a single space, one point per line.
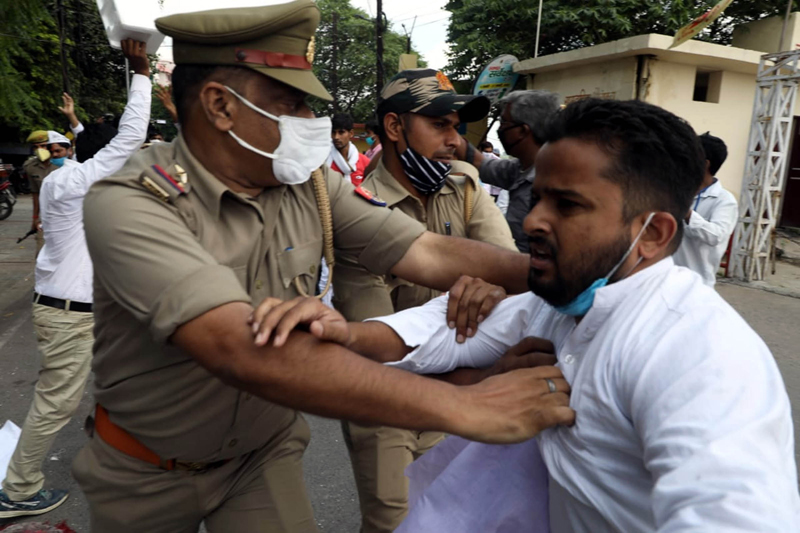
428 92
275 40
37 137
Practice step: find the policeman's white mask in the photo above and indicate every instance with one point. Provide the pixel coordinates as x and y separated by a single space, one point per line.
304 146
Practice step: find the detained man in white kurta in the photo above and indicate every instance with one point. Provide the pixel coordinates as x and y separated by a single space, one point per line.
682 418
62 301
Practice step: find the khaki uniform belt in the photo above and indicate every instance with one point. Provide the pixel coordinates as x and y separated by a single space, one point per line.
124 442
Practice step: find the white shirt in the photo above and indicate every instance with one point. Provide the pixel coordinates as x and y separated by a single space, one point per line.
683 420
705 237
63 267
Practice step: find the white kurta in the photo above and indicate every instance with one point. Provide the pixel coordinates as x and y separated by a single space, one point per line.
63 266
683 421
706 235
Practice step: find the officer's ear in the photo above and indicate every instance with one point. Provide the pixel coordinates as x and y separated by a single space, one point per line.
218 105
393 127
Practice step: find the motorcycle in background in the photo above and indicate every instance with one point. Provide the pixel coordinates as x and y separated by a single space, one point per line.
7 196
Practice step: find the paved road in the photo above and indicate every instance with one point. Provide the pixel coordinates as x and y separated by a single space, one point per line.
328 475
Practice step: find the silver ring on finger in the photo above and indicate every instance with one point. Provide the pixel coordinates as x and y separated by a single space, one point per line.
551 385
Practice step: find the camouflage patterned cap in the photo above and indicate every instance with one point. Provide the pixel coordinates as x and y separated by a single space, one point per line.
429 92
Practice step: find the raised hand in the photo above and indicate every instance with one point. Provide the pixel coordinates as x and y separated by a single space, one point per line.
136 54
164 94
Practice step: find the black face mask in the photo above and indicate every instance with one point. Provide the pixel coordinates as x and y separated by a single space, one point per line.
426 175
502 136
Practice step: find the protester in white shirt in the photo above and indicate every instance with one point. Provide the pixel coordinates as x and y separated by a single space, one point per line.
682 418
62 309
710 223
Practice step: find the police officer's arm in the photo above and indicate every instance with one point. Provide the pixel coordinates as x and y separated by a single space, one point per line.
35 223
329 380
438 261
380 242
154 268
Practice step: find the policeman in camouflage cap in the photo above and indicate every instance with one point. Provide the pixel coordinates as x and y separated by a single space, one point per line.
196 417
429 92
419 115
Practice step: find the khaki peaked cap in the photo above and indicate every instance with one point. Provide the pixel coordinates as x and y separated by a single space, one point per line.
277 41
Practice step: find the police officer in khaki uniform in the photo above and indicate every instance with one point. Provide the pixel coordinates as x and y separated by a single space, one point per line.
419 113
37 167
196 420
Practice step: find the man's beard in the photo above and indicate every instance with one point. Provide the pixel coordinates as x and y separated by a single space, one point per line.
571 280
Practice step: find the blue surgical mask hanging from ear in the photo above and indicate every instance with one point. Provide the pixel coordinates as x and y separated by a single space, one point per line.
581 304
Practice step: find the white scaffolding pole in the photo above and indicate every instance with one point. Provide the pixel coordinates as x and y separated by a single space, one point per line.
765 168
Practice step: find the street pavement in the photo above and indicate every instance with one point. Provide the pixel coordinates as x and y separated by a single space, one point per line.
327 468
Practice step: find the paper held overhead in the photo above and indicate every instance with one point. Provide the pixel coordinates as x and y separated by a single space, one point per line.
124 19
692 29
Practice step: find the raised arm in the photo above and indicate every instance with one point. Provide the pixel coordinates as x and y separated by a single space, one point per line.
69 111
132 125
438 261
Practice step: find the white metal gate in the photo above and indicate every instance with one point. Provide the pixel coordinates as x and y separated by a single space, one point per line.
765 169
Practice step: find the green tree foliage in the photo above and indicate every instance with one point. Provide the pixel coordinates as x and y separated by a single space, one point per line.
351 78
483 29
30 66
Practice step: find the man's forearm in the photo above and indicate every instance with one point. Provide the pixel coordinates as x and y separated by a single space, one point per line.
320 378
35 197
73 121
437 262
377 341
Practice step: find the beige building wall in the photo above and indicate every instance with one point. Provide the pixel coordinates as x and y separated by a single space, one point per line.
615 77
671 86
763 35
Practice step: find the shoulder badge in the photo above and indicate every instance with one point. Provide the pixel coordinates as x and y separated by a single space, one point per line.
160 183
368 196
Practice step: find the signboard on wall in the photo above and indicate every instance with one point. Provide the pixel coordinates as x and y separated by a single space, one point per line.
497 79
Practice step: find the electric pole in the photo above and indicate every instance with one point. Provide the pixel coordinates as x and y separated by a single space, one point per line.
61 24
379 27
335 63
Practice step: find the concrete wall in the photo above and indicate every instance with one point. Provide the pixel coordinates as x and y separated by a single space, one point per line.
671 86
617 77
763 35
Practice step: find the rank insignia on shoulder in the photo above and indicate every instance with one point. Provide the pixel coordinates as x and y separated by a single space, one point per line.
368 196
156 180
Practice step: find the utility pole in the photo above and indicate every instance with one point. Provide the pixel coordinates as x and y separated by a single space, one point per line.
783 28
379 47
61 24
335 63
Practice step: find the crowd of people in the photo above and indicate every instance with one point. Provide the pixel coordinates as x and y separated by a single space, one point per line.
260 265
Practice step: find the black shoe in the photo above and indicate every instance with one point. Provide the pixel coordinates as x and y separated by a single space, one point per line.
42 502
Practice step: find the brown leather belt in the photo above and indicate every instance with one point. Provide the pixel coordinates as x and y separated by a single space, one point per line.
124 442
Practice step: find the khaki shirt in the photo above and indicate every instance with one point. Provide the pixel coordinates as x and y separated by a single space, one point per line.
161 264
359 295
37 171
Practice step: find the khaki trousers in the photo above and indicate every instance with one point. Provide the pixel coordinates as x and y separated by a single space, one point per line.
262 491
379 456
64 339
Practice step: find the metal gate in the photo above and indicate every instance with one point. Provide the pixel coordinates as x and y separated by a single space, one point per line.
765 169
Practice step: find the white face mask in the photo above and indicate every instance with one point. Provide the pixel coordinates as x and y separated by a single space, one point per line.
304 147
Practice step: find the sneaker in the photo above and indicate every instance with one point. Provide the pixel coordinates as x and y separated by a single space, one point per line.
42 502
